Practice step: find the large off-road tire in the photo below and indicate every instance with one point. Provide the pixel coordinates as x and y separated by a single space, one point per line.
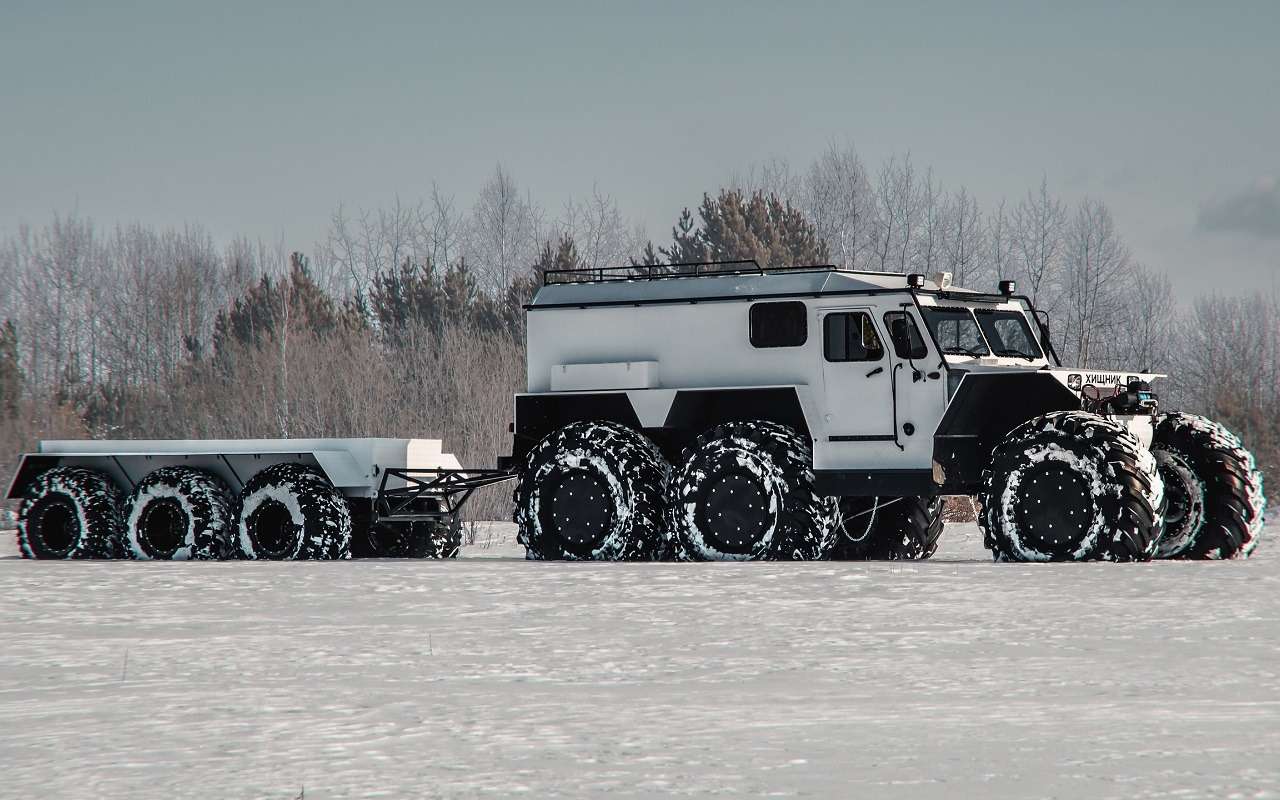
745 492
592 491
419 539
398 539
887 528
1213 489
70 512
1071 486
291 511
178 514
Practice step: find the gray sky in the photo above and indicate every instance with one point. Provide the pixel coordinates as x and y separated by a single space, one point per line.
259 121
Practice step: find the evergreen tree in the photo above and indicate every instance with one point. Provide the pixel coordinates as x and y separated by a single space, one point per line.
734 227
263 310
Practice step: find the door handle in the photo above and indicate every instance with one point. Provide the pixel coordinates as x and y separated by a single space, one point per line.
875 371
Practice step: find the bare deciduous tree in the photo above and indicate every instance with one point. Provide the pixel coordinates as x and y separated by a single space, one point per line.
506 228
1039 222
965 241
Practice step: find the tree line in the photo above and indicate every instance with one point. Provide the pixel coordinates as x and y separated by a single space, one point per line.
407 320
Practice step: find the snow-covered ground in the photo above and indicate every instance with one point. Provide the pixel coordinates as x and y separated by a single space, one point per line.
493 676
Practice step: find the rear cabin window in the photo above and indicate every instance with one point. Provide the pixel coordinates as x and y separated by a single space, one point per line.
779 324
851 336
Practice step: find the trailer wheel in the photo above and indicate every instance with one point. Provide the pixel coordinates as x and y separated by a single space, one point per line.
1214 489
419 539
744 493
70 512
291 511
887 528
1071 486
592 491
177 514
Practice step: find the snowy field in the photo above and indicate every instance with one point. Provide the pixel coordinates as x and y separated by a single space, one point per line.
490 676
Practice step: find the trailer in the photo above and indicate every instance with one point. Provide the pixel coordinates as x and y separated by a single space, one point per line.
243 498
716 411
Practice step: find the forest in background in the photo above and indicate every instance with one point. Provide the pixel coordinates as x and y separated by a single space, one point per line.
406 320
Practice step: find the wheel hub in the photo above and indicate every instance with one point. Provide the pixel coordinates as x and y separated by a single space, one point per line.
734 513
579 510
162 527
272 530
56 524
1055 508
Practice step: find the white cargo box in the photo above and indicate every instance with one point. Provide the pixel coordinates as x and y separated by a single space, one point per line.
607 375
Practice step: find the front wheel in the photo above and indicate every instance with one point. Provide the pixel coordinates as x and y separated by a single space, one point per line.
1214 489
745 493
1071 486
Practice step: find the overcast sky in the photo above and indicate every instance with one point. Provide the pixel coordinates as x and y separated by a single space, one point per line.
260 121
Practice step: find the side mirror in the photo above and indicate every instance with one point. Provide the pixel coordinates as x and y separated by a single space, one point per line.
1042 322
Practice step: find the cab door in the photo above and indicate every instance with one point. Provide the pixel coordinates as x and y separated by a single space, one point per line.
857 374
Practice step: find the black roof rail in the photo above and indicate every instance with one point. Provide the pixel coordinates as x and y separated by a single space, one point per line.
653 272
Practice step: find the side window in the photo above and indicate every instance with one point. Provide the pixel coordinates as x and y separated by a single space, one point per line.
851 336
779 324
905 336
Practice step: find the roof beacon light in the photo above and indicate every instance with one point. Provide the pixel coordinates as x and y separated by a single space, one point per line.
1007 288
943 279
915 280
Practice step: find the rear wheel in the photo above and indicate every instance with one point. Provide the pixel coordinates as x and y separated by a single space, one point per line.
1071 486
291 511
176 514
592 491
887 528
744 493
70 512
1214 489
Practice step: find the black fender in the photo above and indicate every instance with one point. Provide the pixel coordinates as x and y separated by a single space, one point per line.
985 407
692 411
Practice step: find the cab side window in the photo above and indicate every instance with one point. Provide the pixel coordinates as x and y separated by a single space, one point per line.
851 336
905 336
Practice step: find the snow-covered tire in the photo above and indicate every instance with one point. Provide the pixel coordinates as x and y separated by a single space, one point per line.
1213 489
1071 486
421 539
592 491
744 492
178 514
70 512
887 528
292 512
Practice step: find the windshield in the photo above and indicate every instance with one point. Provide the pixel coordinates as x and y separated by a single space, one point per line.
956 331
1008 334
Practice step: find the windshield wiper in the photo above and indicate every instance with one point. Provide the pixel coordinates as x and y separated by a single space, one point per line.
960 351
1015 354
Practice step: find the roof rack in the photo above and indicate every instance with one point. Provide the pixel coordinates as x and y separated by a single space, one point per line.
654 272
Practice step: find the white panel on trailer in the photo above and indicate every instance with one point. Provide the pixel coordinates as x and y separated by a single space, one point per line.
353 465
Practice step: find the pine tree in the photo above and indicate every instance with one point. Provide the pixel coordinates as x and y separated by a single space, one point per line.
264 309
733 227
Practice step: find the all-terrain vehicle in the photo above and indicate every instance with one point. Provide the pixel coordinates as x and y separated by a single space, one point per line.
729 412
711 412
